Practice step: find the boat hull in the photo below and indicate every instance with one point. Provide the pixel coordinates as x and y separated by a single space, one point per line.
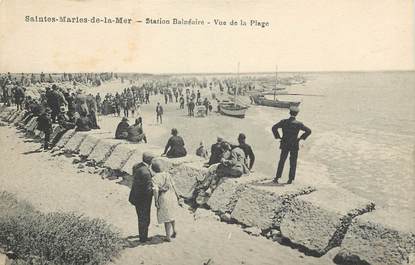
236 111
276 103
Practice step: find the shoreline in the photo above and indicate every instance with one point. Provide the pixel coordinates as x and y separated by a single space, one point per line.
327 206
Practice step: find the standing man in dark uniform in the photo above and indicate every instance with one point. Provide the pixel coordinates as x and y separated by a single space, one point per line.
289 142
142 193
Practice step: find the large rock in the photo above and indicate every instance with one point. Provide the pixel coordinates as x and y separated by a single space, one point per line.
119 156
170 162
262 204
65 138
318 221
13 116
2 108
9 115
56 129
19 117
5 113
75 142
88 145
185 177
31 125
225 196
381 237
137 156
103 150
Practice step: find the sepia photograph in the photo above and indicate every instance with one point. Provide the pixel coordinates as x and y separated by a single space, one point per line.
203 132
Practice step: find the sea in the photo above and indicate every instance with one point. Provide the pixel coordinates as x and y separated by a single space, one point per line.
363 132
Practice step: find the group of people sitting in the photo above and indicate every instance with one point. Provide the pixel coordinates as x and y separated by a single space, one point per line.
133 133
54 106
233 160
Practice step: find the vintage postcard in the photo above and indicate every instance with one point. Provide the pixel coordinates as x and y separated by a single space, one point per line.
207 132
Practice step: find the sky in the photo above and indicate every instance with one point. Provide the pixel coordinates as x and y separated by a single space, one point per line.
303 35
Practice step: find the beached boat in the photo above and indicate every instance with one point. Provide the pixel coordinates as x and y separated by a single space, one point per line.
261 100
233 109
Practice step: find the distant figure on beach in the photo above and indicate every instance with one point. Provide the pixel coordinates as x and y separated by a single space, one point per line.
289 142
181 100
201 151
135 132
166 199
159 113
122 129
19 96
175 145
191 108
141 194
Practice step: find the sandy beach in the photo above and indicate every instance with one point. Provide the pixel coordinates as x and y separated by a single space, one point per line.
54 184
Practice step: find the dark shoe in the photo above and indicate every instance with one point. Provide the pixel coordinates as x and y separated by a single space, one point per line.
275 180
289 181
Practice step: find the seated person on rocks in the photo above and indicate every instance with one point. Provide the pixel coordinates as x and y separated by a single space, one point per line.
215 152
246 148
229 166
83 124
175 146
232 163
121 132
135 132
201 151
65 124
63 119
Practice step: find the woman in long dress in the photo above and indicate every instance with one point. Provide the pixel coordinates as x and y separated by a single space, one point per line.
166 199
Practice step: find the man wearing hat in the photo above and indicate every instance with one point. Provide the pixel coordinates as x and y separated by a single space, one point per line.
249 154
289 142
141 194
215 152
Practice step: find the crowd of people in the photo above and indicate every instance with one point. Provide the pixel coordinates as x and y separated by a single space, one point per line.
74 109
130 99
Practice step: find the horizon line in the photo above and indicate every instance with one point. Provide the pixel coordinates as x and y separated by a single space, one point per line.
219 73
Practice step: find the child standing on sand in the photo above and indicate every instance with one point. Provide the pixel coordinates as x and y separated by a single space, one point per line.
166 199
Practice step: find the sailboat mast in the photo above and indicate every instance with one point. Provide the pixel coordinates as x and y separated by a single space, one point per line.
276 81
237 86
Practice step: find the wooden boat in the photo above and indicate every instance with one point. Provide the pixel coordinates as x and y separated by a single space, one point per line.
233 109
261 100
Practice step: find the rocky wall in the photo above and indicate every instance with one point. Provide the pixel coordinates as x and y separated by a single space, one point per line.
319 221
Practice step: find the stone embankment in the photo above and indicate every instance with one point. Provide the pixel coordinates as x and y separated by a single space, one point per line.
315 220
